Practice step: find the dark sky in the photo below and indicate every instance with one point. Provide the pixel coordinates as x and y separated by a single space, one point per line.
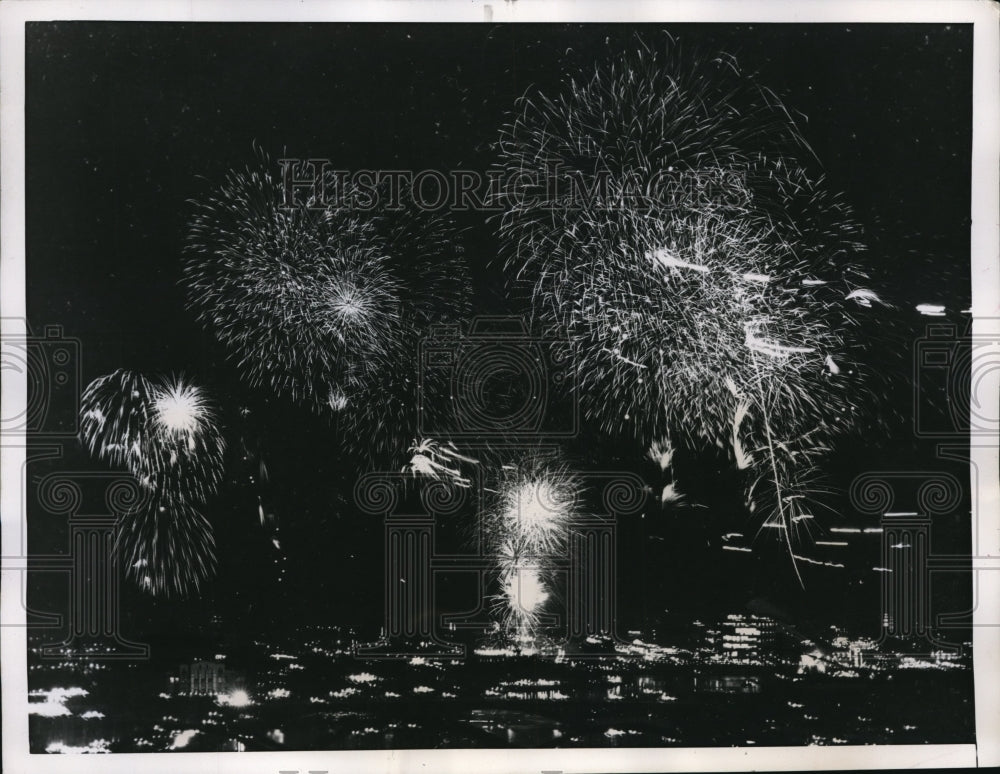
128 121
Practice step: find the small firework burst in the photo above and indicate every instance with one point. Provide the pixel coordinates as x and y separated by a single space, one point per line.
181 409
707 280
438 462
526 530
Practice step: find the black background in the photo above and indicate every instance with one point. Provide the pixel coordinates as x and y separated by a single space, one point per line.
128 121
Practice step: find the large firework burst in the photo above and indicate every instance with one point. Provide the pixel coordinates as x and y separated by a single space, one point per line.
324 303
705 276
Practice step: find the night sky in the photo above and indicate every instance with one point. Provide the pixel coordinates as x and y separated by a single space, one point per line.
126 122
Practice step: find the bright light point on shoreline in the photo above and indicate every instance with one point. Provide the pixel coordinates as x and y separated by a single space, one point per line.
98 746
183 738
234 699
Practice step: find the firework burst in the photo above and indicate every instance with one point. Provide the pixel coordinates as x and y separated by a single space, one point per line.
184 449
115 413
527 529
324 304
709 284
166 434
167 548
438 462
302 299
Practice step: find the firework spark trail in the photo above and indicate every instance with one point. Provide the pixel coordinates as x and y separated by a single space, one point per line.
114 417
527 529
438 462
184 451
325 304
709 306
168 547
166 435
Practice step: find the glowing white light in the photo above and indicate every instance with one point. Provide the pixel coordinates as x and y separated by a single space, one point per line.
346 300
662 452
538 507
180 408
98 746
337 400
438 462
931 310
234 699
817 562
54 701
670 495
768 347
864 297
183 738
59 694
48 709
668 260
525 590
